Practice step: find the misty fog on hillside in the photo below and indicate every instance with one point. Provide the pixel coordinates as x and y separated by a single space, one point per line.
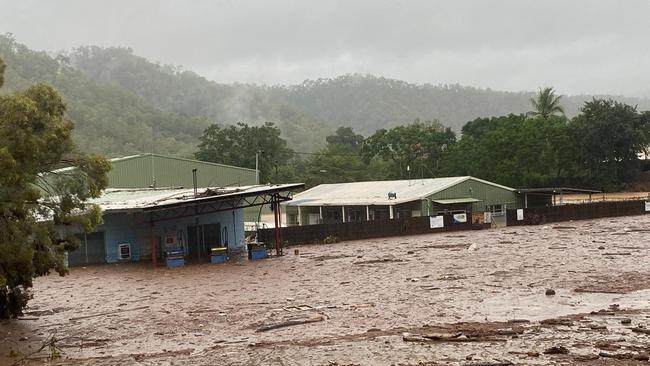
165 70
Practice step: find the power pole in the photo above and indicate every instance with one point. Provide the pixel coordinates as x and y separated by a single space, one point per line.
257 165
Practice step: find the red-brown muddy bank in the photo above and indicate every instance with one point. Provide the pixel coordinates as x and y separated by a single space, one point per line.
450 299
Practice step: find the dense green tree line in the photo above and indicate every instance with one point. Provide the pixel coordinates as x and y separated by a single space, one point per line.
599 148
124 104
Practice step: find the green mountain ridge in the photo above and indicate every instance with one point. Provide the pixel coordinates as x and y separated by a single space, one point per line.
122 103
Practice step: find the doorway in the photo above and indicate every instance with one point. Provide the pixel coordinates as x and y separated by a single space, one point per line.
200 239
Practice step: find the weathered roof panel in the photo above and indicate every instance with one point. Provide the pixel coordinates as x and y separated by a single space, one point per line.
120 200
376 192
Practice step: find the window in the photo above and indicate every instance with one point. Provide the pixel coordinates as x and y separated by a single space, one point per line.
124 251
450 212
292 219
496 210
354 215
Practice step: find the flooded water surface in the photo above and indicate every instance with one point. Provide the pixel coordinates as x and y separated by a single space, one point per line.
569 293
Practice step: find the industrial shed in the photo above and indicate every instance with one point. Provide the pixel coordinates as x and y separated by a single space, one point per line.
378 200
160 171
153 170
141 224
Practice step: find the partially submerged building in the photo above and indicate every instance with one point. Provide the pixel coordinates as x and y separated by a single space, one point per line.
378 200
140 224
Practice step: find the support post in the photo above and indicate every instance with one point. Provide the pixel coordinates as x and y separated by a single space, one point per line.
257 167
280 226
152 241
276 217
525 200
86 245
367 213
343 213
320 214
390 212
299 217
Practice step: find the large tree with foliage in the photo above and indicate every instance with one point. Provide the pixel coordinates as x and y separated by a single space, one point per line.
416 147
512 150
237 145
40 212
610 136
546 104
340 161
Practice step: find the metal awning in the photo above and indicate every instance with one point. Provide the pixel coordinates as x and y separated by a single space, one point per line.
456 200
556 190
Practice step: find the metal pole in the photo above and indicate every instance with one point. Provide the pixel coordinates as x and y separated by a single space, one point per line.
277 227
86 245
257 167
195 182
299 216
280 226
152 241
234 229
153 168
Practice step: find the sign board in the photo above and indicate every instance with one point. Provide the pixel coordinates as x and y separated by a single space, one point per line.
487 217
460 217
436 222
647 206
520 214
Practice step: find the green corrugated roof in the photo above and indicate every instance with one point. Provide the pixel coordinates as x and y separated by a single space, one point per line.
456 200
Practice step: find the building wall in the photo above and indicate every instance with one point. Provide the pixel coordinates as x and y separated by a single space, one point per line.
137 172
126 228
488 194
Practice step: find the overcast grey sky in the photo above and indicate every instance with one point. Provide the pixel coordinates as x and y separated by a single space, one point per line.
576 46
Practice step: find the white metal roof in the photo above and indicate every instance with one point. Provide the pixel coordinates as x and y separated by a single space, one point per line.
116 200
376 192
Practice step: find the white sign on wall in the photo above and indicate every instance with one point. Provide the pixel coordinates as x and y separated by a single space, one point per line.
520 214
461 217
647 206
436 222
487 217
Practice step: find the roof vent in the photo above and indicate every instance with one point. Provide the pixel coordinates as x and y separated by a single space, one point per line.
392 195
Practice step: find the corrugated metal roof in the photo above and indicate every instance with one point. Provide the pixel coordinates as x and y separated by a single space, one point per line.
145 155
376 192
149 155
153 170
119 200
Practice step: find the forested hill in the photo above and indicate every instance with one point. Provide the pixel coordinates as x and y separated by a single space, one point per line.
368 103
122 102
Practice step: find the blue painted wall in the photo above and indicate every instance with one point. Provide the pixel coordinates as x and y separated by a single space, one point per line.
125 228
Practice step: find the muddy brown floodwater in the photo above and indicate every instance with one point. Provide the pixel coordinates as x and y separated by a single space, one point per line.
417 300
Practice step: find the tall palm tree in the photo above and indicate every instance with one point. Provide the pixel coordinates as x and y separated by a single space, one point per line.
546 104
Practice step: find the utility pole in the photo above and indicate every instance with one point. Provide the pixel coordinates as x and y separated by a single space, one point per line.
257 166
